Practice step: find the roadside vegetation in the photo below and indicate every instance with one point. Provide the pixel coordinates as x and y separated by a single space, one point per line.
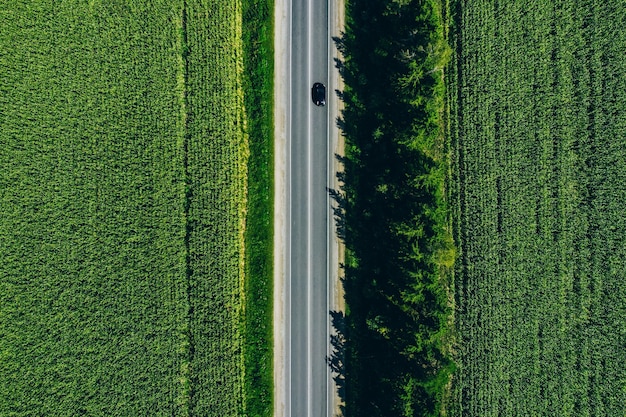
392 351
258 43
131 277
537 96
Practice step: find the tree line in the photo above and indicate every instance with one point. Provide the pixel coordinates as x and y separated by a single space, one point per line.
389 357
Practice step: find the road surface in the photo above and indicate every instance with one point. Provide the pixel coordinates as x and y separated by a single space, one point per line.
310 269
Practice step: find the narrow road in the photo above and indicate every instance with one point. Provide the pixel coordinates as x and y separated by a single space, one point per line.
310 269
308 220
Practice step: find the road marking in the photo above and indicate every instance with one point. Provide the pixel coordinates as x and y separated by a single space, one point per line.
289 214
309 227
329 217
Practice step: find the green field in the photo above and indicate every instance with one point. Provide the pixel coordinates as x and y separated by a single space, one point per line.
124 156
537 93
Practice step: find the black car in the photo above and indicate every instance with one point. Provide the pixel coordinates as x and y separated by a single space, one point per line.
318 94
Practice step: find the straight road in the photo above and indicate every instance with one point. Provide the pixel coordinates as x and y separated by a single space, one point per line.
310 270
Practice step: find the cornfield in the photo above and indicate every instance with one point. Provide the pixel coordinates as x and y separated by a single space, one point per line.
122 205
537 94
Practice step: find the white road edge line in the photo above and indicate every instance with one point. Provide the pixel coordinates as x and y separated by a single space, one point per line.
309 229
329 216
287 339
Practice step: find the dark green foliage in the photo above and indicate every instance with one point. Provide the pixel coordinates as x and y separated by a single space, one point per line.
392 214
539 139
258 16
217 151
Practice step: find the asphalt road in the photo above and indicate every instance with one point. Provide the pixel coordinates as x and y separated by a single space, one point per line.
309 387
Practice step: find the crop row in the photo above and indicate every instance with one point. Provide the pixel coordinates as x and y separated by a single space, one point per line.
217 156
122 204
538 144
91 230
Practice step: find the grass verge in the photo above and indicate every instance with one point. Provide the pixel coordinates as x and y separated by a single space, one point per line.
258 32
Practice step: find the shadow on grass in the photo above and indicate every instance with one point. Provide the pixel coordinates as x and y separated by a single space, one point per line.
387 355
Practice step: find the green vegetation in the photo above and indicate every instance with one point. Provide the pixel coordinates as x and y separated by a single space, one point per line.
258 41
391 353
123 210
217 152
92 273
537 99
